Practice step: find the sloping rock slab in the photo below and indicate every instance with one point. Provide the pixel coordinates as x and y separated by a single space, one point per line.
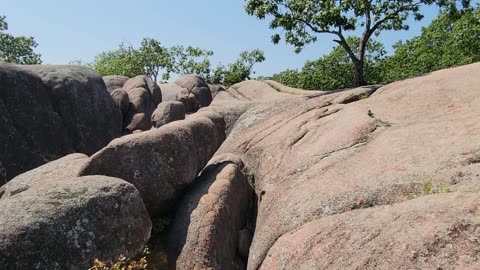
67 224
87 110
322 155
433 232
208 225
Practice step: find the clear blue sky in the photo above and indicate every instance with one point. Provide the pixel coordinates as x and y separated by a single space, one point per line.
70 30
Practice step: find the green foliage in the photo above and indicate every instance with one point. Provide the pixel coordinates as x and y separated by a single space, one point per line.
301 21
151 58
123 61
17 50
190 60
447 42
239 70
335 70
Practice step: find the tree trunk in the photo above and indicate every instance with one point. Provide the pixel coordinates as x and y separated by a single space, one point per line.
359 79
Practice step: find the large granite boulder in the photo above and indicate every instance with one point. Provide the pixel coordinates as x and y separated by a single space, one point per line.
167 112
161 162
212 219
145 82
78 95
67 224
121 99
191 90
114 82
322 155
144 96
31 131
63 168
140 110
198 87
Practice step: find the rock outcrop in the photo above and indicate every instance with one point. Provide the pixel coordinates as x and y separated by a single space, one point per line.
191 90
161 162
211 221
47 112
432 232
323 155
67 224
114 82
144 96
167 112
79 97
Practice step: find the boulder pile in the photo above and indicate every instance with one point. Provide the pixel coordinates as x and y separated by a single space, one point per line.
262 177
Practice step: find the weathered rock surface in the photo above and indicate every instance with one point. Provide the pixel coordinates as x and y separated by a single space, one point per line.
121 99
145 82
197 86
191 90
66 224
215 89
31 132
161 162
144 96
211 221
88 112
113 82
167 112
323 155
433 232
253 90
64 168
139 116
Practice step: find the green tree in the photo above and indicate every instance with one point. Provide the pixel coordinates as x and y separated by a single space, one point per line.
447 42
124 61
303 20
155 58
239 70
333 71
18 50
190 60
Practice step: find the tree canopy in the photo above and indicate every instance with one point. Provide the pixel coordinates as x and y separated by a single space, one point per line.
302 21
333 71
151 59
17 50
447 42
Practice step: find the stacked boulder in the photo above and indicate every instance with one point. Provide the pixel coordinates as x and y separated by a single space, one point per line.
191 90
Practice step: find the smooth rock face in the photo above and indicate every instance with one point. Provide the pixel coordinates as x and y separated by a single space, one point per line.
31 131
160 162
88 112
145 82
114 82
66 224
191 90
144 96
64 168
121 99
215 89
211 219
323 155
433 232
197 86
140 110
167 112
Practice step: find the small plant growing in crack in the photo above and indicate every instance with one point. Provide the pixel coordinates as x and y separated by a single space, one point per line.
428 188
